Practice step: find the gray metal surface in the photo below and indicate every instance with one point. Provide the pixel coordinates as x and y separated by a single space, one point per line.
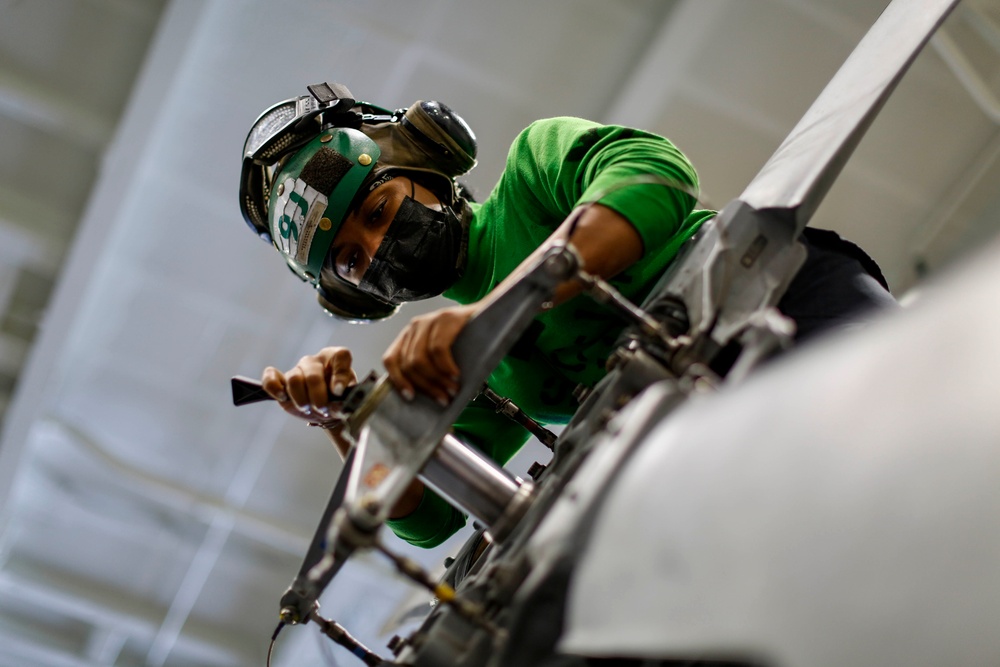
739 267
839 508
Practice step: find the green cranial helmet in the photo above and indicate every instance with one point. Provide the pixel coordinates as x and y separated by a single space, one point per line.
311 194
306 159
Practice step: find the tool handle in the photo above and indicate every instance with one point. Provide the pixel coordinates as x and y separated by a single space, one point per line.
247 390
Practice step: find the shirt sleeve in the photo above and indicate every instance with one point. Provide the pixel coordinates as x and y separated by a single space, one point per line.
565 162
433 522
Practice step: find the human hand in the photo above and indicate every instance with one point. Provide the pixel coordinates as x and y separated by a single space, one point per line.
420 358
304 391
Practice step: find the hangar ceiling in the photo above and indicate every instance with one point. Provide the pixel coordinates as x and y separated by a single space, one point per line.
144 520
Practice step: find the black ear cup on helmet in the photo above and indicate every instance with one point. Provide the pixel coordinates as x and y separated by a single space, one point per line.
455 127
346 302
435 137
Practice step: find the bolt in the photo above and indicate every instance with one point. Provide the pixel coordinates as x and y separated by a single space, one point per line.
370 505
396 644
617 357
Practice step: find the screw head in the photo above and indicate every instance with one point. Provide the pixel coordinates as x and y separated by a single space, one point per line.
535 470
370 504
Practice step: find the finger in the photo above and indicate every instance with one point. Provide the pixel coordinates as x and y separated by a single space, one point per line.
442 368
342 375
292 402
420 371
338 358
392 360
272 381
298 392
314 373
439 345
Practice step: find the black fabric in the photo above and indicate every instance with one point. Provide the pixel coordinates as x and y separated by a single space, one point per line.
420 255
834 242
524 347
324 170
838 286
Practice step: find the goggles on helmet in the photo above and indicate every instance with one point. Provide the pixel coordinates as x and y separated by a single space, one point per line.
285 128
346 302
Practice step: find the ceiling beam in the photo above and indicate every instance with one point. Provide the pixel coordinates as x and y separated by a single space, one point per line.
17 650
62 594
171 494
137 12
122 165
664 66
30 102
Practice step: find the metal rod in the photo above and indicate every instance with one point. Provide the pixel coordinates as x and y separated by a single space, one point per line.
443 591
507 408
471 481
602 292
341 636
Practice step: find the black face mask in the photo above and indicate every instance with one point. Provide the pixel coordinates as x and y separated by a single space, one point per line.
421 255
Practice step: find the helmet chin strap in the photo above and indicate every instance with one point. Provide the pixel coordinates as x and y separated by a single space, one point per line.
438 205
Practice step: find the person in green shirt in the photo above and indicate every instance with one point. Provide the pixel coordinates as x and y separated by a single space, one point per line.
366 208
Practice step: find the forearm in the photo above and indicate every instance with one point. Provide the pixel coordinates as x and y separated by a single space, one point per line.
606 242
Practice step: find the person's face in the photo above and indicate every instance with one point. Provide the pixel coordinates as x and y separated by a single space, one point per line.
365 226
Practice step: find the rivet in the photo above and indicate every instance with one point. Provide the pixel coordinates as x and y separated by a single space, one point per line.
364 159
281 188
325 138
325 224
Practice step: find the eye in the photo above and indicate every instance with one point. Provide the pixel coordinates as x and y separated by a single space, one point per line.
376 215
350 264
356 264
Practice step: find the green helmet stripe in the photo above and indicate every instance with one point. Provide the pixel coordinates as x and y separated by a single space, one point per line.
351 144
355 159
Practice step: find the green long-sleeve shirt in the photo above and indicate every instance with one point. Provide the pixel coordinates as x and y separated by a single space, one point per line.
553 166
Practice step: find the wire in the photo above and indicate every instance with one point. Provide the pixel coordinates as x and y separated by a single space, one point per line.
274 637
